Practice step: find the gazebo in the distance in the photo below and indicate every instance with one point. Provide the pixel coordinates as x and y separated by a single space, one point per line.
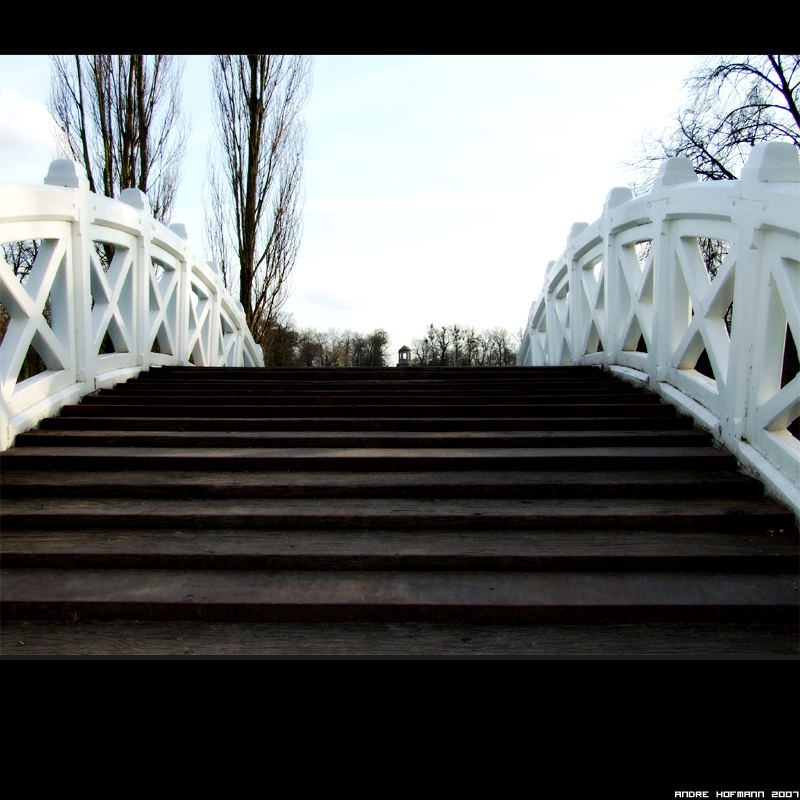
404 356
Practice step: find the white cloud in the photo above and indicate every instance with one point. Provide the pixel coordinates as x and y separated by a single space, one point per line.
437 187
27 138
328 300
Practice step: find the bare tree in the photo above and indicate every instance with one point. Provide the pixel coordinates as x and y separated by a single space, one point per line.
734 103
371 349
120 117
254 213
459 346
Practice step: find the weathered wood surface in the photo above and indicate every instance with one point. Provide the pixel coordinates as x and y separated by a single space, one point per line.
357 513
435 512
244 410
255 424
363 439
33 638
488 402
423 548
420 484
369 458
348 595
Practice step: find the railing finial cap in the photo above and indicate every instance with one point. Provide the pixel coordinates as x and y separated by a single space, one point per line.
617 196
674 171
135 198
180 229
773 162
576 228
65 172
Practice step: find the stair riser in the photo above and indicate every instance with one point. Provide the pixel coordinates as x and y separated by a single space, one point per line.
361 424
243 461
366 400
158 489
766 564
480 613
326 374
686 521
229 439
509 496
314 393
650 411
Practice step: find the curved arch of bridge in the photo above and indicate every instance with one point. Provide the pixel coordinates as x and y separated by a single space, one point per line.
99 292
632 293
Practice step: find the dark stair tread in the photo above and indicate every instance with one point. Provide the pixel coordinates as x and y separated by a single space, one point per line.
26 638
216 384
363 396
516 439
223 389
367 399
437 424
394 512
442 483
441 497
395 459
383 373
581 549
531 596
243 410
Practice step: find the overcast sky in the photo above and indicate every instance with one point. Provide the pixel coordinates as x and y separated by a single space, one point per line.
437 187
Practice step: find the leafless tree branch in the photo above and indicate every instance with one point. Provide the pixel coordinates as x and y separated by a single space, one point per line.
120 116
734 103
255 178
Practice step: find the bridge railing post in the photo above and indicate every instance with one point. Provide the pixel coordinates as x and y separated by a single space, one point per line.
715 248
138 280
570 323
105 291
770 224
75 281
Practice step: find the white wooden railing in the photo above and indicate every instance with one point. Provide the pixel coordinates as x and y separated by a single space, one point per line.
632 294
111 292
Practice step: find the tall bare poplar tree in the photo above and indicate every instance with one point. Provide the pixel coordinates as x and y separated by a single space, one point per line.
120 116
253 219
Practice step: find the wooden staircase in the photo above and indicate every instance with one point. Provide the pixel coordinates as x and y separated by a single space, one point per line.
397 511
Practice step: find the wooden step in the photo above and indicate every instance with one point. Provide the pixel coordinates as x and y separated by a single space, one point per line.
573 410
311 389
433 595
435 424
419 484
490 403
424 548
687 639
350 513
365 458
241 510
362 439
327 374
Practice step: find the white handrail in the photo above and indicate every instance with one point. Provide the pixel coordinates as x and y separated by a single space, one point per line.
631 293
104 270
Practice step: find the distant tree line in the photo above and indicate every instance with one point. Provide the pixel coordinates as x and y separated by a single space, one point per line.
463 346
288 346
447 346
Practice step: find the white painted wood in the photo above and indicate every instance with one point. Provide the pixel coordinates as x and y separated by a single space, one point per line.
155 288
668 298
